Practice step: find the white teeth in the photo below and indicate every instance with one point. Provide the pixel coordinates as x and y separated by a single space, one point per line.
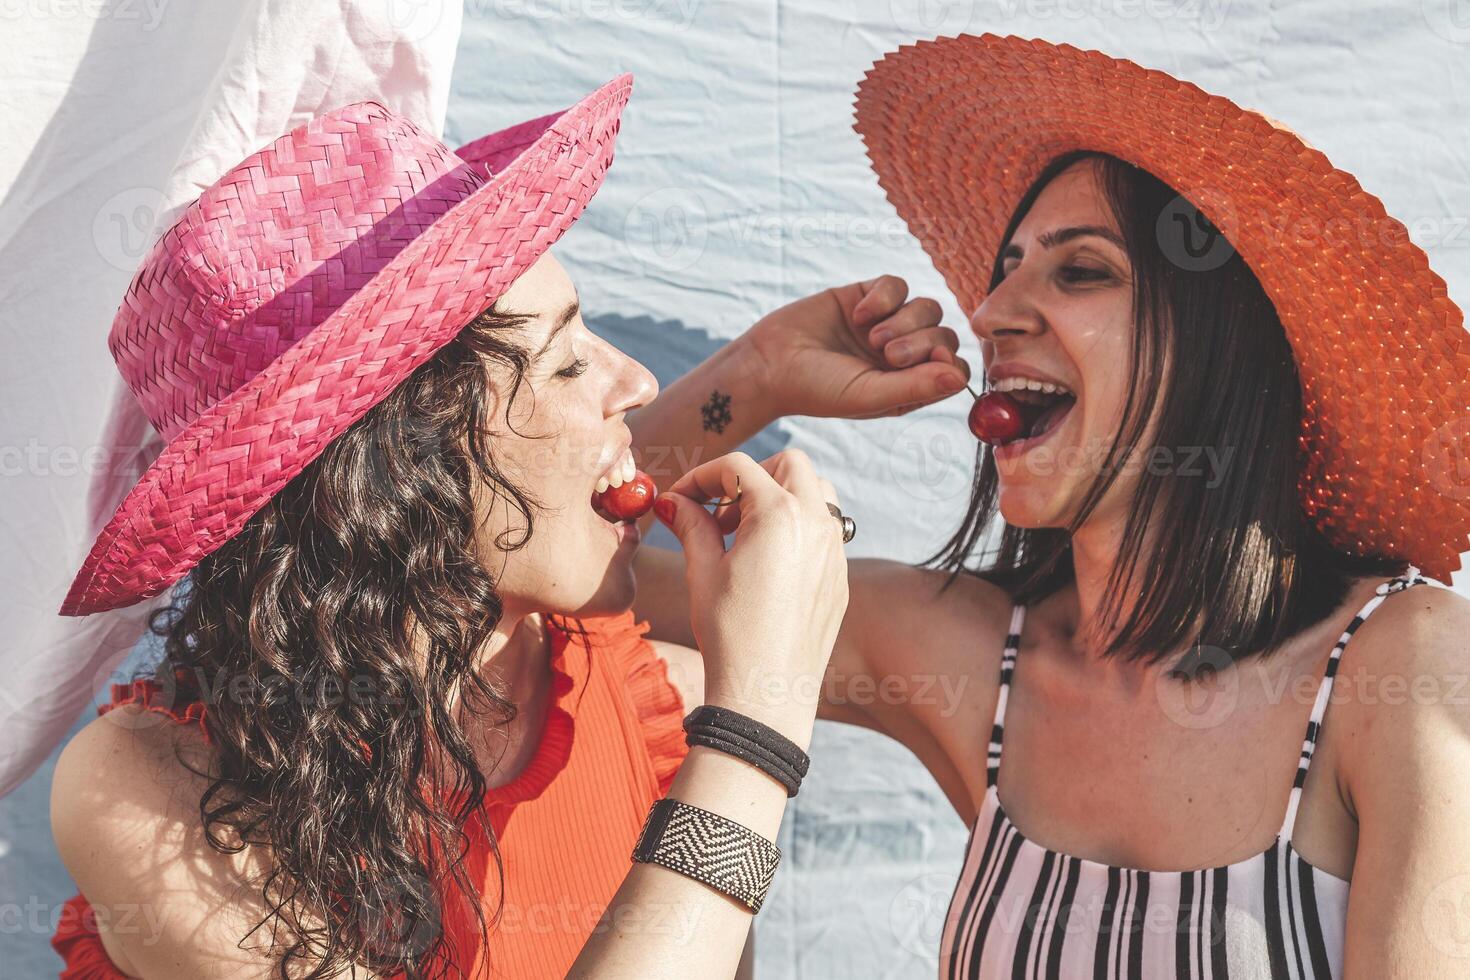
1030 384
619 473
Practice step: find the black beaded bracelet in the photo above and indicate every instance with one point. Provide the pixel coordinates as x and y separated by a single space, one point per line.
747 751
749 740
707 847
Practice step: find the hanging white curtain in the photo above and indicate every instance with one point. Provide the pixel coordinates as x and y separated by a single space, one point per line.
115 117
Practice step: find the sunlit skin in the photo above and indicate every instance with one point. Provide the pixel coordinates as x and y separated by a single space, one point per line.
566 427
1066 310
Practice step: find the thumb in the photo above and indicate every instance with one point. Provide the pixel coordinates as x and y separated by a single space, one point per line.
906 388
696 528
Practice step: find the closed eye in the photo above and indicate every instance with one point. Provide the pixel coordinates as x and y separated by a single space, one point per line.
574 369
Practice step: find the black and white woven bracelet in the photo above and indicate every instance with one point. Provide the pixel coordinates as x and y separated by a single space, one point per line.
707 847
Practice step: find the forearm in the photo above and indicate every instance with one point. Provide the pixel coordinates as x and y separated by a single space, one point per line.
661 923
706 413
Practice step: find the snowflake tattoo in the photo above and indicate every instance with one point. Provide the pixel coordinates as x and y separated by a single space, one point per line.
716 412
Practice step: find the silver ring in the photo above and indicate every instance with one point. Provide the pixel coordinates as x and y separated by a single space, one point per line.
849 526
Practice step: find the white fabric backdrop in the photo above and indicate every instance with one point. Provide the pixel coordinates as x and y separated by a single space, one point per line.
115 116
738 185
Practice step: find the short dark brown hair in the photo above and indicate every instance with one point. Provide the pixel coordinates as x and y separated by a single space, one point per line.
1237 556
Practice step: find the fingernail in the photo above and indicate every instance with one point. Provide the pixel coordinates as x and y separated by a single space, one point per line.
663 509
954 384
881 337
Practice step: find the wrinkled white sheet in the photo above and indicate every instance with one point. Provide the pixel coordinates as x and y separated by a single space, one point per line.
738 185
114 117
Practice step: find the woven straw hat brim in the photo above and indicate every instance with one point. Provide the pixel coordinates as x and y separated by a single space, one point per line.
957 128
226 464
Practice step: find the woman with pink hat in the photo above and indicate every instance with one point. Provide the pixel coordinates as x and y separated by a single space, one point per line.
415 724
1224 428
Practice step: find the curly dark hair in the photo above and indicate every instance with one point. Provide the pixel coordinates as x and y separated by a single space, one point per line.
333 634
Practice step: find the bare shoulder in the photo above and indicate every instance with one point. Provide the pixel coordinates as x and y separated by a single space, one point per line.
1407 716
125 816
905 623
918 659
1404 688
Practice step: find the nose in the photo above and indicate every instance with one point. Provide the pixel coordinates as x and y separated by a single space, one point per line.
636 385
1006 310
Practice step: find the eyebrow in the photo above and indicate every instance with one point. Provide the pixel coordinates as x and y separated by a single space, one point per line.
563 318
1059 236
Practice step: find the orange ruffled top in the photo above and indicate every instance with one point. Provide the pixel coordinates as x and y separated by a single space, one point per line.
566 825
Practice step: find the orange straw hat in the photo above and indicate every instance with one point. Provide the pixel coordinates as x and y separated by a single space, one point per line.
957 128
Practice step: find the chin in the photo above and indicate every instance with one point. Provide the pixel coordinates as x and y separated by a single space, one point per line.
613 595
1032 510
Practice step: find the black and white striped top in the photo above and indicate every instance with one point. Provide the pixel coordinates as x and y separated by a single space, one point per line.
1025 912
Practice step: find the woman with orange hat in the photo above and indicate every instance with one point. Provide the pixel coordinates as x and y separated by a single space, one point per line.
404 716
1223 424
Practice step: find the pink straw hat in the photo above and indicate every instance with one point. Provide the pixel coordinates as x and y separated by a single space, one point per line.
300 289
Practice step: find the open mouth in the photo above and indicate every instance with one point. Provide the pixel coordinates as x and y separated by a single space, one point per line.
623 470
1043 411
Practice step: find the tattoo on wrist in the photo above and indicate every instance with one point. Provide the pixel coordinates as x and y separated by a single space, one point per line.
716 412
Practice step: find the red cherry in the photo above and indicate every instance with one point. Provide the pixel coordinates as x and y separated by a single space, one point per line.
996 418
631 500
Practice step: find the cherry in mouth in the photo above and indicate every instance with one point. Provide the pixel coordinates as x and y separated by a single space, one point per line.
628 502
998 418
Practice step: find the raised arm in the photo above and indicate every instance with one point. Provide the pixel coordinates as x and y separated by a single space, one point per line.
857 351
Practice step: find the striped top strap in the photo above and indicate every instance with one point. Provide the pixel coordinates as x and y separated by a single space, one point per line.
1324 688
1007 665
